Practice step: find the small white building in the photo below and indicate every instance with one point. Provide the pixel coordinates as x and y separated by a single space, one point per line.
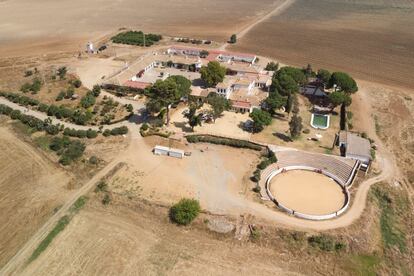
355 147
161 150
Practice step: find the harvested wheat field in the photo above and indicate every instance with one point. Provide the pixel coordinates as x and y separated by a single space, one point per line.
372 40
31 187
307 192
74 22
131 239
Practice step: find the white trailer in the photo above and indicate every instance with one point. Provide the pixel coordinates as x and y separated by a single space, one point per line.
160 150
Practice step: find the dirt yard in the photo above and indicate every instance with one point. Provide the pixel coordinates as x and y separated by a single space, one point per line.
307 192
31 188
370 39
228 125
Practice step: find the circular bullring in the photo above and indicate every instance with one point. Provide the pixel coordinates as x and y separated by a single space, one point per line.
307 193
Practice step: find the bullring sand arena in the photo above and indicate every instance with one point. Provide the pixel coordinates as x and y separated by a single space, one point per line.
307 192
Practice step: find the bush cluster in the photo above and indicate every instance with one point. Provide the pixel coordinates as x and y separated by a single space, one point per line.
31 121
115 131
20 99
326 243
68 150
136 38
33 87
223 141
90 133
185 211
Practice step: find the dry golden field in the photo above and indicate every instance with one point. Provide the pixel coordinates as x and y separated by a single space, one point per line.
31 187
76 22
372 40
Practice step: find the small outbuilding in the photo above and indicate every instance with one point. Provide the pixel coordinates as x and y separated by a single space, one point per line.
161 150
355 147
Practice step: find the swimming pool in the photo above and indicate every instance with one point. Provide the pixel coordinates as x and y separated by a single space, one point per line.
320 121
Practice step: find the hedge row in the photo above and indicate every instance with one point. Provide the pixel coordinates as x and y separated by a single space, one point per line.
90 133
20 99
33 122
76 116
223 141
115 131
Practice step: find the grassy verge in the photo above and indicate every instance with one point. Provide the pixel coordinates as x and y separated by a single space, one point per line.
363 265
59 227
392 232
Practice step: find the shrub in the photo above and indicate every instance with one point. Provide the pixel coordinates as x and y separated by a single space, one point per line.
256 175
88 100
326 243
101 187
60 96
106 199
257 189
62 72
91 133
96 90
77 83
52 129
106 133
144 127
93 160
185 211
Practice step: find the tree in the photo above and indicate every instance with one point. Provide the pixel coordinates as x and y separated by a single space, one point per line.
213 73
162 94
274 102
204 53
324 76
183 85
260 119
309 71
194 119
77 83
295 126
295 73
343 82
338 98
62 72
185 211
284 84
96 90
233 39
289 104
272 66
218 105
88 100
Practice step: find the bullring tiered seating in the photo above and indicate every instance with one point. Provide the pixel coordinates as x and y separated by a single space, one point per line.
338 166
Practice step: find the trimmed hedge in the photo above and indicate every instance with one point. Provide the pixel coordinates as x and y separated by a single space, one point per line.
223 141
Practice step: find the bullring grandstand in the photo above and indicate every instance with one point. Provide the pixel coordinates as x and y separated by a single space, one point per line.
309 185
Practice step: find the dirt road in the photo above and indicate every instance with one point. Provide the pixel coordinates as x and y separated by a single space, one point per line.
277 10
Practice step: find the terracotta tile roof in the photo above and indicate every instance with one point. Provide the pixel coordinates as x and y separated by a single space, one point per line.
137 84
